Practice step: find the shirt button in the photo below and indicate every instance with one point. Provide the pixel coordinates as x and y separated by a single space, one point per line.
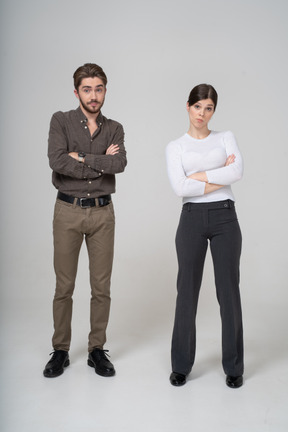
90 182
88 194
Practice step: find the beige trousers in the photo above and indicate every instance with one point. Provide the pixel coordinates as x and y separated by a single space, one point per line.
71 225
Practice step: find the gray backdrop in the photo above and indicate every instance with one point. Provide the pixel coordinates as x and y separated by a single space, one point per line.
153 52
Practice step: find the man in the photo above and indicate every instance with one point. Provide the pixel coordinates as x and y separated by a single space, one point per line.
85 151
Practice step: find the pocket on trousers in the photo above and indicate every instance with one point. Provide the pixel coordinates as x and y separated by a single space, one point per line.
110 208
226 215
57 210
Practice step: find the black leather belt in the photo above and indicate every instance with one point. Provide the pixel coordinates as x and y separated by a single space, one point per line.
85 202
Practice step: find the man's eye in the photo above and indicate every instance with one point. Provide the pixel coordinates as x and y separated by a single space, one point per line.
197 106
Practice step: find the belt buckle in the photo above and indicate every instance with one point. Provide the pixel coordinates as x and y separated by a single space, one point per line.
83 205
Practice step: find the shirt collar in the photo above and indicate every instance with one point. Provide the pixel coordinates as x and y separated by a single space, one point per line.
83 118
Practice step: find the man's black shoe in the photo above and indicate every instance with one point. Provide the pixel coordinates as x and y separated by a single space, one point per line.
55 366
234 382
98 359
177 379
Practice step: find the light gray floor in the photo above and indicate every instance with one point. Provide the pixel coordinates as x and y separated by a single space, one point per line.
140 397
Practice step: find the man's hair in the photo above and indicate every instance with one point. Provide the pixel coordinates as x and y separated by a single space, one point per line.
88 70
203 91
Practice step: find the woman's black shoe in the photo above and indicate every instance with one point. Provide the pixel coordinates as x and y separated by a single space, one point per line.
177 379
234 382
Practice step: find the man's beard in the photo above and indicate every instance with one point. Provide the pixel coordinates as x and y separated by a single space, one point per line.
93 110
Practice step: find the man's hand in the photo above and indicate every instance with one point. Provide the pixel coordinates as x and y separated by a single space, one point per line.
112 149
74 155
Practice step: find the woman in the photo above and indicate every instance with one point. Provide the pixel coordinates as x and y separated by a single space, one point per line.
202 165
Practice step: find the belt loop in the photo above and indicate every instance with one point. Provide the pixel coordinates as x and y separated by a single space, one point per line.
74 203
97 202
186 207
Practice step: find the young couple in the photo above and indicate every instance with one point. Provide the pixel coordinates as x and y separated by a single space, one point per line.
85 152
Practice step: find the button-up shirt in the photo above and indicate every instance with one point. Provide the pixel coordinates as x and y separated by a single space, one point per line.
96 177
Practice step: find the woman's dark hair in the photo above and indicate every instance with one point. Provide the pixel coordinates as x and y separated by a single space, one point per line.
203 91
88 70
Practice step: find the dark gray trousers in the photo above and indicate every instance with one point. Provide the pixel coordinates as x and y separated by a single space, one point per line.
199 223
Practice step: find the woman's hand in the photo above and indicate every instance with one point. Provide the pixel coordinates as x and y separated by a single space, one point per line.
200 176
213 187
230 159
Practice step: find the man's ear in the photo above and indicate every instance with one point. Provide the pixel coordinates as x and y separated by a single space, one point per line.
76 93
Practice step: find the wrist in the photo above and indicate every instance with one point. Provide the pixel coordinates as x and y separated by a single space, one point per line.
81 157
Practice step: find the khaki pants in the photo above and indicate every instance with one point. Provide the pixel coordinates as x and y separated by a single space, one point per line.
71 225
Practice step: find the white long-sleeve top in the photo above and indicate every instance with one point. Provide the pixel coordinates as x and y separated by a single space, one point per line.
187 155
